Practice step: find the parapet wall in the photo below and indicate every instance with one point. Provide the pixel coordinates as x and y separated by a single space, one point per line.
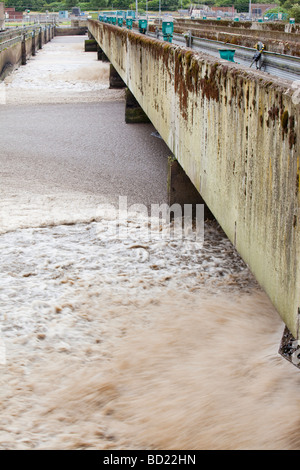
236 133
278 37
16 48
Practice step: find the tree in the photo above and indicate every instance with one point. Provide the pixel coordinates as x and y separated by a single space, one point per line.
295 12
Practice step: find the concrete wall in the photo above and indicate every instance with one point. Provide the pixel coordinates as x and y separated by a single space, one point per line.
67 31
280 38
18 53
278 26
236 133
10 58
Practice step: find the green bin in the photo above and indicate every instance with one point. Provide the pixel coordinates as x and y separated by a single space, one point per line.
142 25
167 29
227 54
129 22
120 21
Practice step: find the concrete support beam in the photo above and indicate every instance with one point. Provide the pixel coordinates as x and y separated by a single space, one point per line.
33 50
90 45
101 55
23 48
115 81
182 191
133 111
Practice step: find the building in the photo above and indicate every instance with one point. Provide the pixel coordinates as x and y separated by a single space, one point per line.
259 9
13 15
230 11
63 14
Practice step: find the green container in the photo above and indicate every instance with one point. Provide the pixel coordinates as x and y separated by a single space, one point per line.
236 19
227 54
129 22
218 18
260 20
204 17
167 29
114 20
142 26
120 21
292 20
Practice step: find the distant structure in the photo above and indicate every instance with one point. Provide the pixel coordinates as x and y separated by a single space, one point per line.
76 11
259 9
227 11
2 16
63 14
13 15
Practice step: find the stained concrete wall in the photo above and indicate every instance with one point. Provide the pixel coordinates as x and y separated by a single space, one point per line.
10 58
236 133
13 56
277 37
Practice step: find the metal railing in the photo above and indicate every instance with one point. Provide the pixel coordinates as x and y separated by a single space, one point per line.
276 64
20 32
10 42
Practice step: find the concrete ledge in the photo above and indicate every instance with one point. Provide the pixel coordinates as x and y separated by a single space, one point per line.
67 31
272 35
20 52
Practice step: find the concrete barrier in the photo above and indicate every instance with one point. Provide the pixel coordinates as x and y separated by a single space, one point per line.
18 46
280 38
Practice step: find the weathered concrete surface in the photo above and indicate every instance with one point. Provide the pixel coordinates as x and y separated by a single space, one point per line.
243 25
115 81
90 45
9 58
182 191
134 113
280 38
18 53
236 133
70 31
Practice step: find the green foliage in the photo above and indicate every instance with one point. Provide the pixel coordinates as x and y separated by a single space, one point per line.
277 10
295 12
22 5
291 7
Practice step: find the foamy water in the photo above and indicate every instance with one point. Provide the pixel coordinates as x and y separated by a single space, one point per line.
60 73
135 343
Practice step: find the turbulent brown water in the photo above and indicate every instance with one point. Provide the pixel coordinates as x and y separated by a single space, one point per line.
123 344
